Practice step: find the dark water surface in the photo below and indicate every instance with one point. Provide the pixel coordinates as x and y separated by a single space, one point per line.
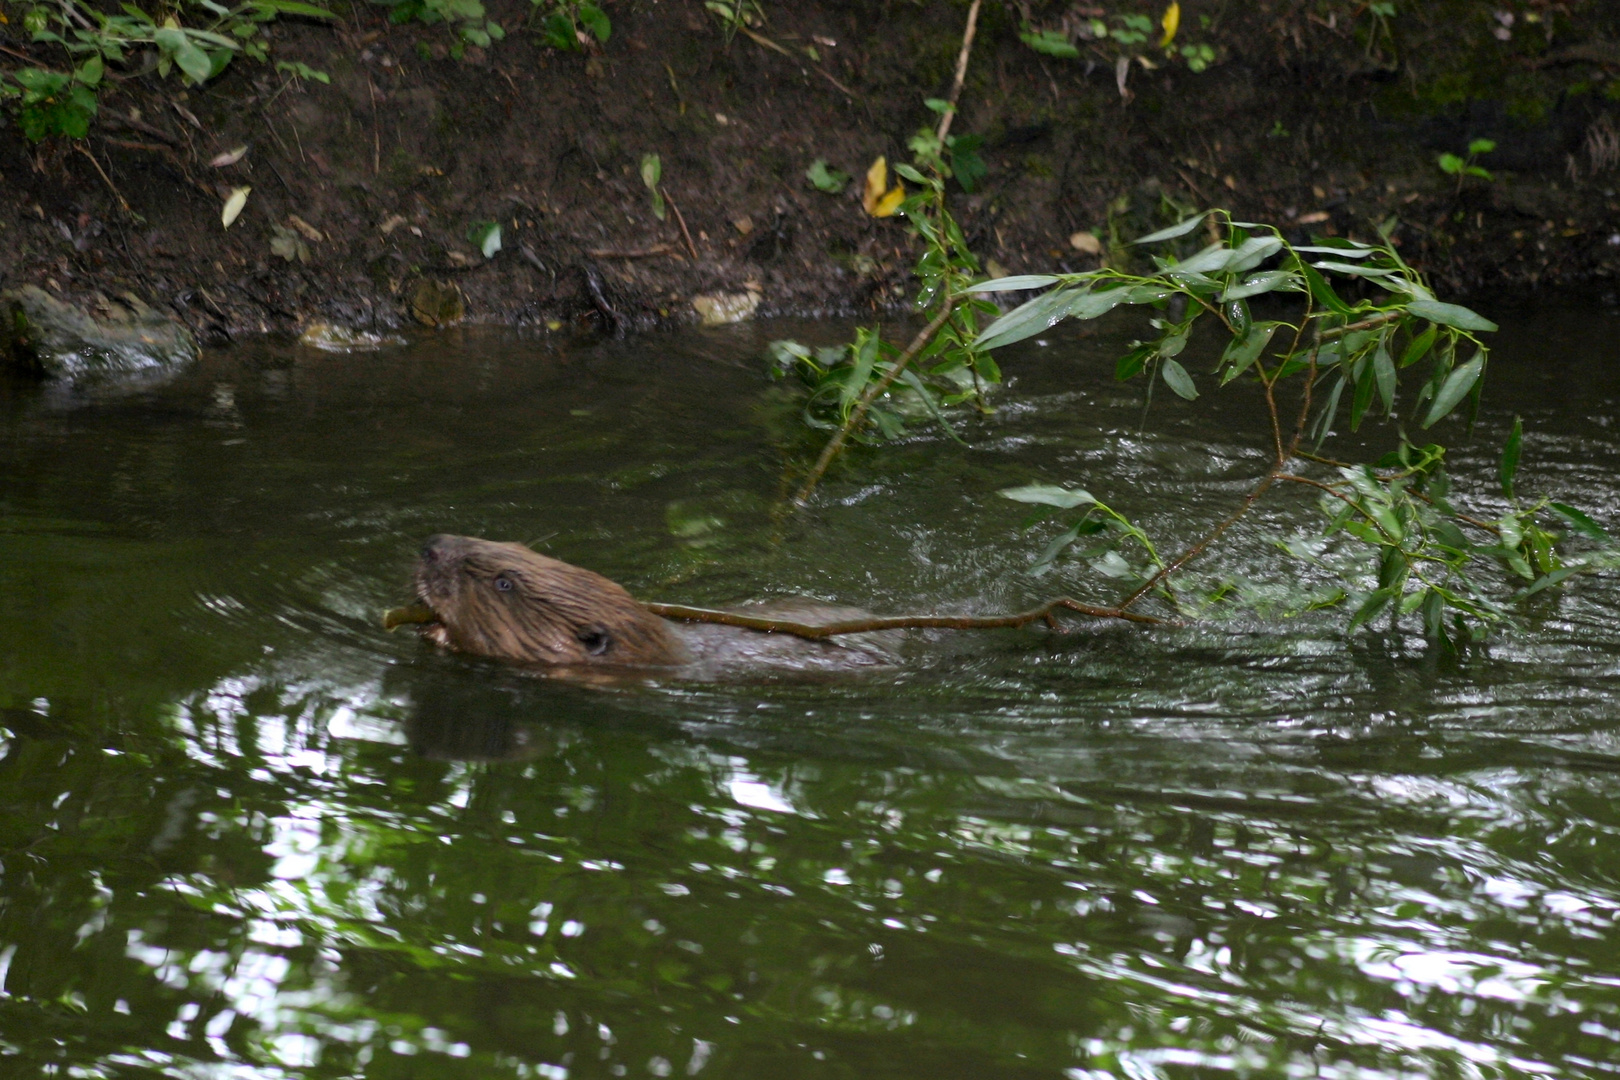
246 834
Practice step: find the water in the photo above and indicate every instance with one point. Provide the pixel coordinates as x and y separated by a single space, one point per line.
246 834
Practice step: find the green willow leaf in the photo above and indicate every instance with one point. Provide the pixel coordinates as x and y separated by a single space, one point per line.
1018 283
1212 260
1366 383
1547 581
1581 523
1324 419
1027 319
1354 270
1269 281
1384 371
1177 379
1370 608
1322 291
291 7
1049 495
1356 251
1453 315
1089 305
1510 457
1419 347
1181 228
1253 252
1454 389
1241 355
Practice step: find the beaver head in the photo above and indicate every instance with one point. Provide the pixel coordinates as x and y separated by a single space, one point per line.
506 601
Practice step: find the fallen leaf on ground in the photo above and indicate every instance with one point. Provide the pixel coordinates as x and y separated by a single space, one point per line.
877 201
1086 242
1171 23
310 232
229 157
233 205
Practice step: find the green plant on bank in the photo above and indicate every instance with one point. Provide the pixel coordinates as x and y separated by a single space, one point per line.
846 382
735 15
56 102
1379 14
825 179
298 70
1393 542
1129 35
573 25
1463 167
466 18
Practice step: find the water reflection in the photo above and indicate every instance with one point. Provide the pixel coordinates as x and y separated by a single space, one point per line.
244 833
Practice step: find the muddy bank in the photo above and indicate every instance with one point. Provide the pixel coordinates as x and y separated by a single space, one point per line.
366 190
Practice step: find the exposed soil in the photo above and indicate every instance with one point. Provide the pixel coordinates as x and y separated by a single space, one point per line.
1299 121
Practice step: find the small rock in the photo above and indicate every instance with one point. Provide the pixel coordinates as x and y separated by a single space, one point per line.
46 337
435 303
718 309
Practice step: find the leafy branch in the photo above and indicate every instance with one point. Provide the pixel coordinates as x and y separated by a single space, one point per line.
1392 536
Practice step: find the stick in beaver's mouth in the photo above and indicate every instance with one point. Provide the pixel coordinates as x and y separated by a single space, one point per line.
413 614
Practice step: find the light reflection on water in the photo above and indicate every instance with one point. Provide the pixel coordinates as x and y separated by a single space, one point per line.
244 833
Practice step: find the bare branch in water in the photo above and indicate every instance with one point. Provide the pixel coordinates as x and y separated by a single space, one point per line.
1045 613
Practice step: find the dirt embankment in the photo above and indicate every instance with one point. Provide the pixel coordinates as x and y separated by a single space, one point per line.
373 183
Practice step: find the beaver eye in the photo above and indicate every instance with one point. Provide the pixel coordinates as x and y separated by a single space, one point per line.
503 583
596 642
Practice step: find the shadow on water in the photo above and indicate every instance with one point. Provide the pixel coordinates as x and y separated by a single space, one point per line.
244 833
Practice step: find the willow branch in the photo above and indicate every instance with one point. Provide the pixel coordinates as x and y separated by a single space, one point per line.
818 632
961 71
857 415
1372 322
1213 535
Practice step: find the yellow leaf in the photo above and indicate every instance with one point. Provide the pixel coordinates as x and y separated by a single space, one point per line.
878 201
890 202
233 205
1171 23
877 181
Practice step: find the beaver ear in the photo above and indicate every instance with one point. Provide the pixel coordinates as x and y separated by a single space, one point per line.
595 639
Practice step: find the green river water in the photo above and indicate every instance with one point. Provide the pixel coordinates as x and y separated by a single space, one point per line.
247 835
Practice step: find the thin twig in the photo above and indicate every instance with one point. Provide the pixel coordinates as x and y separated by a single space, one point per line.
130 144
682 221
1372 322
769 44
110 185
961 71
119 120
376 136
815 632
640 253
858 414
1214 534
29 59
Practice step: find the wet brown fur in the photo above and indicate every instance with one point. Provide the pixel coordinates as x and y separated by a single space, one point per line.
506 601
551 612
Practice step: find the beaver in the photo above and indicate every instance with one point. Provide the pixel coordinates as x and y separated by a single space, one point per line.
506 601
